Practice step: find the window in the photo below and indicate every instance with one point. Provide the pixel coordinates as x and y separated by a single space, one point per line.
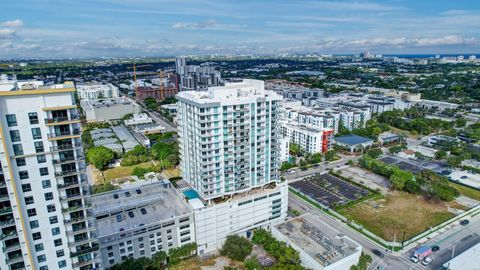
43 267
37 236
43 171
57 242
51 208
46 184
26 187
11 120
39 247
34 224
21 162
23 174
48 196
17 149
36 133
29 200
41 159
39 147
14 135
60 253
33 117
41 258
53 220
62 264
110 254
55 231
31 212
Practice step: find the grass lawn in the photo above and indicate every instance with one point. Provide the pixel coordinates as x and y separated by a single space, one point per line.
396 213
466 191
174 172
120 172
406 132
196 263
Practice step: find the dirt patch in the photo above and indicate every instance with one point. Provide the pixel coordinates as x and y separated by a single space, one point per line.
398 214
366 178
213 263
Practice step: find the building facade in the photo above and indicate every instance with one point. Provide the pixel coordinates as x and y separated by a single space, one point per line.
309 139
44 217
95 91
141 219
230 153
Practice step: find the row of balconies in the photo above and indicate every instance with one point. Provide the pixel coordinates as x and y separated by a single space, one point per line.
59 119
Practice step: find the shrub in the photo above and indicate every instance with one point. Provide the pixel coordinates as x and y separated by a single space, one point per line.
100 156
236 247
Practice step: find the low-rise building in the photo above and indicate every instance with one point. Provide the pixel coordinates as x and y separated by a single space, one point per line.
353 143
138 119
310 139
319 245
106 110
467 260
237 214
93 91
139 220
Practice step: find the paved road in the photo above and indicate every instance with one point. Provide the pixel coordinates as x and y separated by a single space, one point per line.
462 237
298 174
390 261
161 120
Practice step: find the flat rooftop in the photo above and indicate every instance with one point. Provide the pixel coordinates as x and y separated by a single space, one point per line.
230 92
90 105
467 260
352 139
320 241
316 238
158 200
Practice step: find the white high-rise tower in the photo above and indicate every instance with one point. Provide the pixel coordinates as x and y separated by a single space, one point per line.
230 151
45 219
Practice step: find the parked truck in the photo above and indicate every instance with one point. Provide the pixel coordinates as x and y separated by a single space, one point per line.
420 253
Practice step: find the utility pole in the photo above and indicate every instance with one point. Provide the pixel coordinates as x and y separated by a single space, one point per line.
394 241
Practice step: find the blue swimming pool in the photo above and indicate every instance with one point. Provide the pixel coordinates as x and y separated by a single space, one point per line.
190 194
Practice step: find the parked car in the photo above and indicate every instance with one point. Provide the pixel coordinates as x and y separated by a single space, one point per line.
435 248
414 258
463 177
378 253
316 166
426 261
464 222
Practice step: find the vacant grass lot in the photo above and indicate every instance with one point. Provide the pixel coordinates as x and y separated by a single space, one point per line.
466 191
120 172
196 263
397 213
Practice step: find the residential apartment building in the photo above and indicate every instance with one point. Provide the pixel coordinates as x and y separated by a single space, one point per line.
45 218
93 91
141 219
229 149
310 139
194 78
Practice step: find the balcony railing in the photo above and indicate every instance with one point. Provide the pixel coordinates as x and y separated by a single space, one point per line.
59 119
11 234
65 147
68 159
70 172
5 210
13 247
64 133
84 251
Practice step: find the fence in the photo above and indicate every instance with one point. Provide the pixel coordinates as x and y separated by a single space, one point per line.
473 211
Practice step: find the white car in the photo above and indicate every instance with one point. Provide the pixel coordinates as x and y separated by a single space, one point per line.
426 261
414 259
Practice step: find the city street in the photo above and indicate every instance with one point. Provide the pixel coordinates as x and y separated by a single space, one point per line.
391 261
160 120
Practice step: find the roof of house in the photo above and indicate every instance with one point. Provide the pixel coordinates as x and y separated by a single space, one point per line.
352 139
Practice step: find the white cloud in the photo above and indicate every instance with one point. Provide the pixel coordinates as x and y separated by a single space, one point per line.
199 25
7 33
14 23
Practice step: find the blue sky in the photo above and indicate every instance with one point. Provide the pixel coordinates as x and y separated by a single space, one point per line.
91 28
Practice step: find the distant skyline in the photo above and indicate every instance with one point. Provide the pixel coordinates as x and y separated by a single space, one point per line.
96 28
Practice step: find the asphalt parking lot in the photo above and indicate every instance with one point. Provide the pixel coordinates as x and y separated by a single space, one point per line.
329 190
414 166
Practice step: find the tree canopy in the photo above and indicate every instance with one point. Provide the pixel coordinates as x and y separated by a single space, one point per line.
100 156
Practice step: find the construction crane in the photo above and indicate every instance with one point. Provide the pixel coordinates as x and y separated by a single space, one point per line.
162 93
161 86
135 75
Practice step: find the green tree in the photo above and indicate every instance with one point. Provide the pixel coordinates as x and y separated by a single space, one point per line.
294 149
460 122
100 156
440 154
236 247
330 155
375 153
